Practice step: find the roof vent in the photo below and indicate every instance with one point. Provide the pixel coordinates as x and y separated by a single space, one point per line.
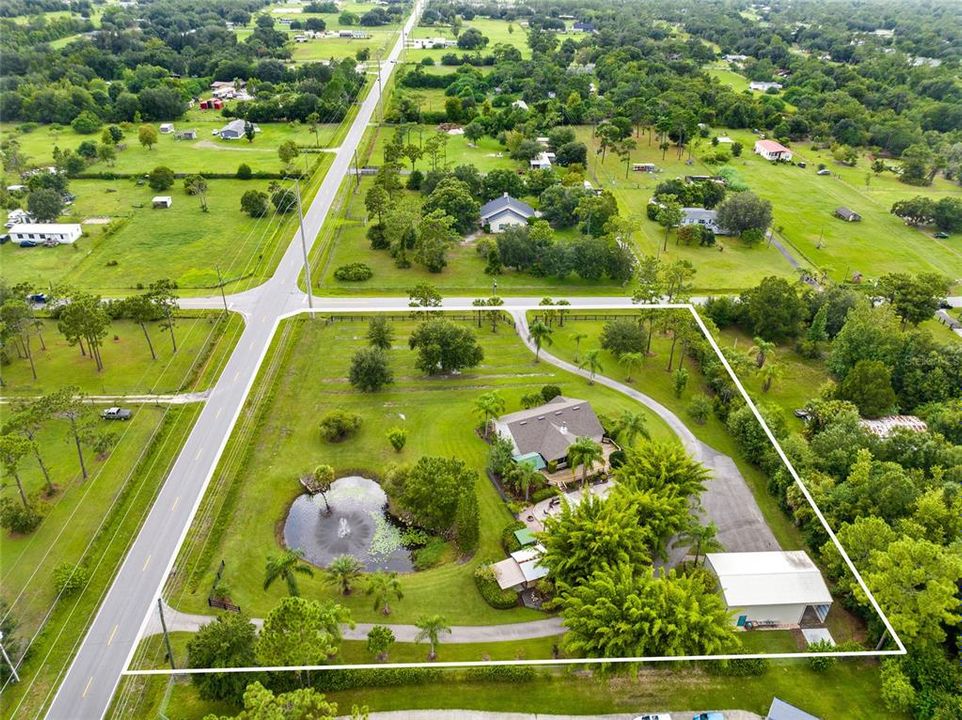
523 422
541 417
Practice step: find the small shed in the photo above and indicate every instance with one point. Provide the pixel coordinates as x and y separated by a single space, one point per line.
643 167
781 710
186 135
162 201
167 128
847 215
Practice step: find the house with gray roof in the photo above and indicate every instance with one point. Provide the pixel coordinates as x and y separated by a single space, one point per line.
781 710
550 429
701 216
234 130
504 211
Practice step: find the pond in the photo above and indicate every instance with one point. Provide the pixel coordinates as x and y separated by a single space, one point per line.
357 525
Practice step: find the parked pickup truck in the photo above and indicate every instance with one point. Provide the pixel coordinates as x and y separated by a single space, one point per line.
116 413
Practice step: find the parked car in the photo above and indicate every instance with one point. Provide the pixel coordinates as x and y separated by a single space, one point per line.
709 716
116 413
824 171
656 716
941 235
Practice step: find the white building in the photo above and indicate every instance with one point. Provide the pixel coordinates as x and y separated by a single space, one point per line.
522 570
162 201
18 216
771 150
542 161
166 128
27 234
703 217
504 211
764 86
774 586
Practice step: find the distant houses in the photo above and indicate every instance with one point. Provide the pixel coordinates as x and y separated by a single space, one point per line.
843 213
771 150
18 216
542 161
31 234
764 86
504 211
185 135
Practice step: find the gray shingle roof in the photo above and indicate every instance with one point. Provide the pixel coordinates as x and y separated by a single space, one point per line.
551 428
781 710
506 202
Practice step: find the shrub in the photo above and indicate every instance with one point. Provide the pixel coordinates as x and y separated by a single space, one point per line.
244 172
821 663
487 585
502 673
616 459
431 554
545 493
69 579
375 234
398 437
338 425
699 408
354 272
550 392
19 519
160 178
508 541
414 180
739 667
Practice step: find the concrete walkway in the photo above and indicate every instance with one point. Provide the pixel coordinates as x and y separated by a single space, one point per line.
484 715
186 622
727 500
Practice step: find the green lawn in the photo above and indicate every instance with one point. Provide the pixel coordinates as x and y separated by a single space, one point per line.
204 342
205 154
497 31
437 412
143 244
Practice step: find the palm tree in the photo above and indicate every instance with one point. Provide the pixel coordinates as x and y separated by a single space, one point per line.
769 374
761 350
523 476
702 538
382 585
539 334
489 406
286 566
630 361
629 426
592 363
584 452
342 571
578 337
430 628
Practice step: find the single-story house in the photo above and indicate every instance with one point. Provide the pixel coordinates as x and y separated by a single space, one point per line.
764 86
781 710
504 211
234 130
521 570
771 150
703 217
166 128
550 429
885 426
847 215
186 135
18 216
162 201
541 162
644 167
583 27
689 179
27 234
520 104
734 57
772 586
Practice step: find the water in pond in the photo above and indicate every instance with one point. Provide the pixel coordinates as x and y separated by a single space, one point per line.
357 525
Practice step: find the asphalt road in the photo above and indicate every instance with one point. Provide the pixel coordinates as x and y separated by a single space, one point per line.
93 676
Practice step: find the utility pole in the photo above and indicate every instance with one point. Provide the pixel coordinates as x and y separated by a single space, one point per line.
13 668
220 284
307 265
357 171
163 625
380 109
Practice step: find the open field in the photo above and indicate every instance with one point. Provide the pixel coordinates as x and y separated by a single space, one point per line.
205 154
438 415
204 342
137 249
497 32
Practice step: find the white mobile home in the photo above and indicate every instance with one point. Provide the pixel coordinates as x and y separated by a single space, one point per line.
28 234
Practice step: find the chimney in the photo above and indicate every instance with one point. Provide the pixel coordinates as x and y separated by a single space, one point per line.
564 427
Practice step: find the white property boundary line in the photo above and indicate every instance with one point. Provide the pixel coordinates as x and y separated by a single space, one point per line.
528 307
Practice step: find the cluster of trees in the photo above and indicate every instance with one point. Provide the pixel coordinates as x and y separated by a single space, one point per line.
944 213
600 554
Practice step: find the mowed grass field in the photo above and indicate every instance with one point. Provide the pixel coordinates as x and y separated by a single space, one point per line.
143 244
497 32
205 154
438 414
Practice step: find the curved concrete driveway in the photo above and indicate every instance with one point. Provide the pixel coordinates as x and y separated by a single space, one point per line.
727 500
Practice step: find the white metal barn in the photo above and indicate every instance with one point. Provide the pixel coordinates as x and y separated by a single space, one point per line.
775 586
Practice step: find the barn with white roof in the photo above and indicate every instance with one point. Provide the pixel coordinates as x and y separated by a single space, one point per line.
778 586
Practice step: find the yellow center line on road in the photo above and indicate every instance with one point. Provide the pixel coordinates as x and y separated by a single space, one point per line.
146 562
112 633
87 686
174 506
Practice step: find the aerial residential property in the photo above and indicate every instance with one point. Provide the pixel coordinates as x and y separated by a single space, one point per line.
455 359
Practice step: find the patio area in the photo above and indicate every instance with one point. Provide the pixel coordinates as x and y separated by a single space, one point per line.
567 477
534 516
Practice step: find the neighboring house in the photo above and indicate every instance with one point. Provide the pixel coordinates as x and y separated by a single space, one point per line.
764 86
186 135
847 215
28 234
781 710
162 201
18 216
166 128
542 161
774 586
520 104
689 179
522 570
431 43
505 211
736 58
644 167
586 27
771 150
16 188
234 130
550 429
703 217
885 426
